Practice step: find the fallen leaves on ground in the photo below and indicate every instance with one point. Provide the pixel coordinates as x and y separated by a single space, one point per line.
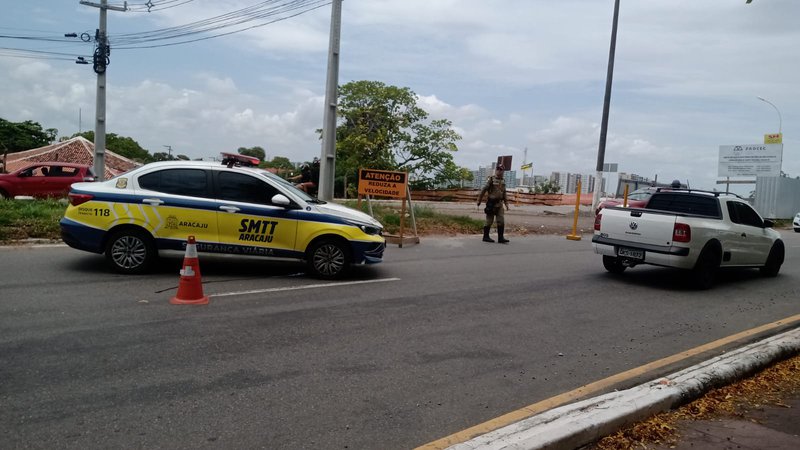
771 386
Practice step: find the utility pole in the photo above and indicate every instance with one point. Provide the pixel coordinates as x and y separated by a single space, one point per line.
327 166
601 151
102 52
169 150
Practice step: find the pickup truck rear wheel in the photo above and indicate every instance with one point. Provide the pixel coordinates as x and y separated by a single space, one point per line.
774 260
613 264
705 269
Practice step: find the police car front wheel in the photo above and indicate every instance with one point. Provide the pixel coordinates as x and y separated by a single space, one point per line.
329 259
130 251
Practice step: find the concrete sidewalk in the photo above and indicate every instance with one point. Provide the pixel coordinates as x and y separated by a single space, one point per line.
578 424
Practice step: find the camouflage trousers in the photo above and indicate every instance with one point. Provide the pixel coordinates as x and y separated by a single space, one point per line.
498 213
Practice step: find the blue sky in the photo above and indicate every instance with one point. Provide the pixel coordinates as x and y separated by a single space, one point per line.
509 74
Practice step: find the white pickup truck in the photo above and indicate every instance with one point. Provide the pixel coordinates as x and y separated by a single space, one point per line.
699 231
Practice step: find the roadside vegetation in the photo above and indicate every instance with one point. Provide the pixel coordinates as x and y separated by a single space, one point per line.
38 219
742 400
428 220
30 219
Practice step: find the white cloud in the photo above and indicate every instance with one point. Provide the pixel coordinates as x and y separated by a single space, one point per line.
509 75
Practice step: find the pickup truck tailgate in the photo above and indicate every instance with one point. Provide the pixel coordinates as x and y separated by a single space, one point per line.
637 226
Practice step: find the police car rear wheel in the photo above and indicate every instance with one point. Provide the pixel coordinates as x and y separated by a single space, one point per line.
329 259
130 251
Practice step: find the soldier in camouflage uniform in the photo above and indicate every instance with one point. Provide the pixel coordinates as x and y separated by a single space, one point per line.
496 187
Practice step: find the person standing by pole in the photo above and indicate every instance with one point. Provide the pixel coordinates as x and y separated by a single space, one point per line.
496 189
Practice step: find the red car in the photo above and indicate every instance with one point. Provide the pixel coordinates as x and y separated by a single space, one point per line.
44 179
636 199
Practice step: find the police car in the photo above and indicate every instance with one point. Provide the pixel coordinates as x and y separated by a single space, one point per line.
228 207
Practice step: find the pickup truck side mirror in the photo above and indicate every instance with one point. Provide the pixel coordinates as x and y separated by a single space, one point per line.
768 223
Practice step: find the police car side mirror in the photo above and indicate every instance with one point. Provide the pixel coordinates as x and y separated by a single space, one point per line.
280 200
768 223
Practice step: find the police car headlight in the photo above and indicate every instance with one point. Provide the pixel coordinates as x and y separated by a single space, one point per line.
370 229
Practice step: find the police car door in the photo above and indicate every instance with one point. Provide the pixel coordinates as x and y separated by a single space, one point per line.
174 203
248 220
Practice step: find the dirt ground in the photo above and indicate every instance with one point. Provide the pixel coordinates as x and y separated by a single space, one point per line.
525 219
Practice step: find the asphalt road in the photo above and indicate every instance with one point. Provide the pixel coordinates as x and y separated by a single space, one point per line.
440 337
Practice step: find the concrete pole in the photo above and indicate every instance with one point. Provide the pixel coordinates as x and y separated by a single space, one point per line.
100 109
601 151
100 66
327 167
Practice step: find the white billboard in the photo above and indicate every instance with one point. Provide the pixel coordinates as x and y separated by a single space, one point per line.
750 160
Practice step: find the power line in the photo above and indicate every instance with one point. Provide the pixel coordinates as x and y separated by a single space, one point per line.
268 12
36 54
153 5
219 34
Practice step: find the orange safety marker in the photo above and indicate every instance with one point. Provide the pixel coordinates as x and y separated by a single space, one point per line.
190 288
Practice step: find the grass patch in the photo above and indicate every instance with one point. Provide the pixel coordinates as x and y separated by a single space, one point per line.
30 219
428 220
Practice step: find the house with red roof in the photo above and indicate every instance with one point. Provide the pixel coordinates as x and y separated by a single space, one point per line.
77 150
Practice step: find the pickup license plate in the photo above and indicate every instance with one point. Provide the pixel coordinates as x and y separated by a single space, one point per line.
630 253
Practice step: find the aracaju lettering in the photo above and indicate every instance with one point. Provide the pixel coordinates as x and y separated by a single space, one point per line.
257 230
193 224
393 177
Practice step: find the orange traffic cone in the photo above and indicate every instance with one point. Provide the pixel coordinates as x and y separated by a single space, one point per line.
190 289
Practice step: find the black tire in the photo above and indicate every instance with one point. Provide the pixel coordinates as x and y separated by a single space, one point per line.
3 194
329 259
774 260
797 230
131 251
705 269
613 264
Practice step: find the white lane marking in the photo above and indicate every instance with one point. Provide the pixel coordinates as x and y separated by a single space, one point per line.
296 288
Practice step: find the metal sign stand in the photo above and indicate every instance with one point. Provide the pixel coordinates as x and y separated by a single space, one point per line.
402 239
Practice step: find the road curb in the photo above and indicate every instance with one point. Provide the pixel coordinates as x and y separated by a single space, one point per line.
580 423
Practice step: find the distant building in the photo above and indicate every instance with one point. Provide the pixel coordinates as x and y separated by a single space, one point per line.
479 177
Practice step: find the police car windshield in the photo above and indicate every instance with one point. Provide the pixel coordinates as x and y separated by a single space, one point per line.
306 198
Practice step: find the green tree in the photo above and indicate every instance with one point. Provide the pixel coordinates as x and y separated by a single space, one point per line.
163 156
382 127
19 136
464 174
121 145
279 162
256 152
547 187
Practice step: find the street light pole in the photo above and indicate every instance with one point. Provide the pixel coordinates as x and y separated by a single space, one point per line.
601 151
780 119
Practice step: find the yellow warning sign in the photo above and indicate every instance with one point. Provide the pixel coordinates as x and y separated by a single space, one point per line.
382 183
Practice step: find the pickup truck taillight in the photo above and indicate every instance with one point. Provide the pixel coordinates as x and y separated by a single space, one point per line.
597 222
682 233
77 199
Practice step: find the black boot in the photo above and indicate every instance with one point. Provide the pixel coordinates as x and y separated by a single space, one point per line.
486 237
500 237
